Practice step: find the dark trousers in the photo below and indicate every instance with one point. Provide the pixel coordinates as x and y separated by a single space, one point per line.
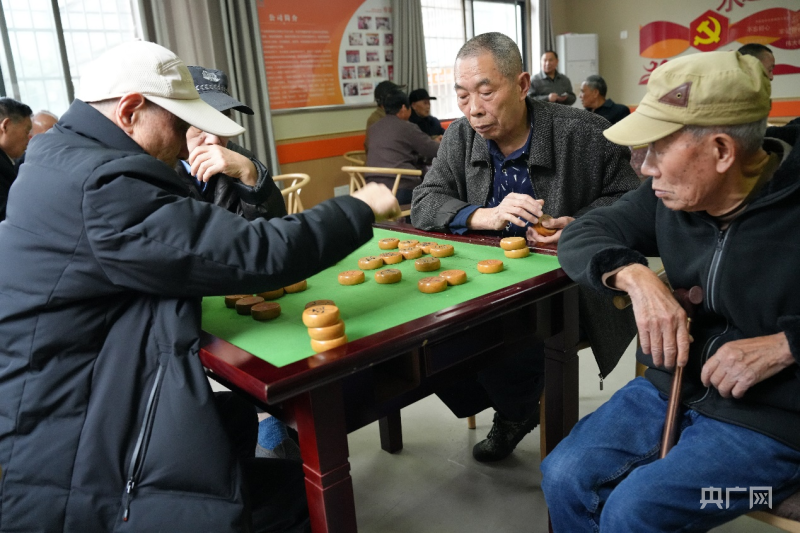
274 489
512 386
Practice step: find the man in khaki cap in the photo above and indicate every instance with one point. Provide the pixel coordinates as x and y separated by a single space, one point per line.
720 203
107 421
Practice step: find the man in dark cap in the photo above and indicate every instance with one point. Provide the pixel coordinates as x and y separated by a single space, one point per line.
220 171
421 113
381 91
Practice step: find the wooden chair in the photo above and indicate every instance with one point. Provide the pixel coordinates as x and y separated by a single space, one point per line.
357 157
357 178
291 192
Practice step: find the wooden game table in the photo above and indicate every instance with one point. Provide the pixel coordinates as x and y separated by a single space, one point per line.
403 345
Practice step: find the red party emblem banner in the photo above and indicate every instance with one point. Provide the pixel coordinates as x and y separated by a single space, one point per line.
776 27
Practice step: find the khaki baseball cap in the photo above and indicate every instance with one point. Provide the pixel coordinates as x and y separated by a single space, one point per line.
160 76
705 89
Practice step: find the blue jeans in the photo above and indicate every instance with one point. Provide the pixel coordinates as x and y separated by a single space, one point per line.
606 476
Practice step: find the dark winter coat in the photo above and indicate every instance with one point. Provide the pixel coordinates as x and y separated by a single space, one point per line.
105 411
748 273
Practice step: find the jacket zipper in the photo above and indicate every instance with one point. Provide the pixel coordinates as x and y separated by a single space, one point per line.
137 459
715 261
722 237
704 357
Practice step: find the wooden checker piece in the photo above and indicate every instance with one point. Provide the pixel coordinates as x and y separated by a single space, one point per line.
427 264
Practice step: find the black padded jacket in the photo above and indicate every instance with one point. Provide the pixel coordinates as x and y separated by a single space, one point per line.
105 411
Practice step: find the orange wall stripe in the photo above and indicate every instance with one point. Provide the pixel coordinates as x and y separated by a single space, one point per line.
785 109
297 152
320 149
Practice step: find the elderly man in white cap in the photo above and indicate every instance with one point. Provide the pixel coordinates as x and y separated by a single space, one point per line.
107 421
720 208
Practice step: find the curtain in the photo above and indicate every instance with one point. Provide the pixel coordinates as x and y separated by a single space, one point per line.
547 41
410 64
221 34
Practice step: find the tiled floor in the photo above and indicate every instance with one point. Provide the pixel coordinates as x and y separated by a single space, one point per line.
434 486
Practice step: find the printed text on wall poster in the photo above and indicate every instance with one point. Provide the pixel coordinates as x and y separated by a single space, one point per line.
319 53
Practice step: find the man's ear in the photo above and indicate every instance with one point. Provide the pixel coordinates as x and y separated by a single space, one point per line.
524 83
129 108
4 124
725 151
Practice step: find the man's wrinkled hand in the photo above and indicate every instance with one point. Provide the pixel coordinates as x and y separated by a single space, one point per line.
554 223
738 365
517 209
380 199
662 322
209 160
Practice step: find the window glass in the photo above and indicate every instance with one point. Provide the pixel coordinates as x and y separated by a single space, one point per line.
443 23
90 27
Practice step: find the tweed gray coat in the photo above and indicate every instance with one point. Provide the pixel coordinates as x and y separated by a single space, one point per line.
572 167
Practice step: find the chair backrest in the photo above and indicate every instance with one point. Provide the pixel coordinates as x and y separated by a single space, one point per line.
357 178
357 157
291 192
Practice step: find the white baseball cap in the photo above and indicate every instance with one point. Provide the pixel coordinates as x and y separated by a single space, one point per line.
160 76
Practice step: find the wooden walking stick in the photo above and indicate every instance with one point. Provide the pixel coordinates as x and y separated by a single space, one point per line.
688 299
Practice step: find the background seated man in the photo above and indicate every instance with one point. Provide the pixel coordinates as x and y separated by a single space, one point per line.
15 129
220 171
42 121
593 98
381 90
396 143
762 53
550 85
510 158
721 204
421 113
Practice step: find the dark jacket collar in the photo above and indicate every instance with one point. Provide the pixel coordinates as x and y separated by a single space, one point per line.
87 121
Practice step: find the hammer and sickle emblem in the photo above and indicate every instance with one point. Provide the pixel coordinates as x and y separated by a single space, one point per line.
712 36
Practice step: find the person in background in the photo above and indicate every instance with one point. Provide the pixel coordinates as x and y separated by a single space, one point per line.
508 160
550 85
593 98
15 130
381 90
396 143
720 209
763 54
220 171
108 420
421 113
42 121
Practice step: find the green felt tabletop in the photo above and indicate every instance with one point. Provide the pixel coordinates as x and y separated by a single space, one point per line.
369 307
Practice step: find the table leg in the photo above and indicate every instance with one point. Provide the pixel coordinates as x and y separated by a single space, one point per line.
561 369
320 419
391 429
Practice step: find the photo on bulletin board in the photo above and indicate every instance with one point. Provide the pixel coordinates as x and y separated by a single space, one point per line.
312 60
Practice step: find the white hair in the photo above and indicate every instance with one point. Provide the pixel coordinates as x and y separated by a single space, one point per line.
748 137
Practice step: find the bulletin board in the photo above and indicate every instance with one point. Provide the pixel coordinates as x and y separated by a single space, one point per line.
325 53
